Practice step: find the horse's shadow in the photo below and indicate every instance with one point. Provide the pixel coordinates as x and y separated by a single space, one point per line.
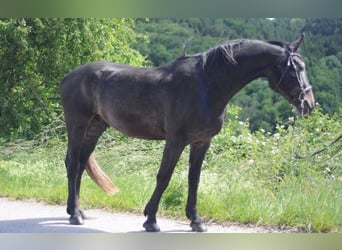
58 225
162 231
43 225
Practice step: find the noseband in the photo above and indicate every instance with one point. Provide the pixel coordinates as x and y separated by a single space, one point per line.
291 63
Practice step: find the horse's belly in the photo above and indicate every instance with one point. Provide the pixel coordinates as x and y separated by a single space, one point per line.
144 127
142 131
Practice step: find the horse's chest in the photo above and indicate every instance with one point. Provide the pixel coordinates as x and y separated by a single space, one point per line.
205 129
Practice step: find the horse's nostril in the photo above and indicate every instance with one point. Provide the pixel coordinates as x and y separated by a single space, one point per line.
308 107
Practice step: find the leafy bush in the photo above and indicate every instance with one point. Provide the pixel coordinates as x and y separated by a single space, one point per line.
35 55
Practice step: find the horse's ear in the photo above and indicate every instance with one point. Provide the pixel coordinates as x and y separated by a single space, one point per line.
294 46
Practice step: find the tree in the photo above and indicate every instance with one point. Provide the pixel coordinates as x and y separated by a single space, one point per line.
327 76
35 54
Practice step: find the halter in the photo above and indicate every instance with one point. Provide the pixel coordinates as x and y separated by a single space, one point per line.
290 62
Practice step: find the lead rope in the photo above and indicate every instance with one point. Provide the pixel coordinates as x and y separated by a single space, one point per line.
302 101
339 147
295 140
293 146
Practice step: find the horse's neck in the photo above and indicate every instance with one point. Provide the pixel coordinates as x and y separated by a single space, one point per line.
252 62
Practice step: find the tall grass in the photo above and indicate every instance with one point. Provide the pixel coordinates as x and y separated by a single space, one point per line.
246 178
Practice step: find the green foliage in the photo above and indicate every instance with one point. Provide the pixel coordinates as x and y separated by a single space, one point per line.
262 107
246 177
328 79
37 53
264 181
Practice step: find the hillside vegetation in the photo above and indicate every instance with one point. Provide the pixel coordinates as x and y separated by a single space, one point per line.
250 178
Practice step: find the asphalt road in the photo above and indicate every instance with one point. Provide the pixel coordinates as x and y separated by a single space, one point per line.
36 217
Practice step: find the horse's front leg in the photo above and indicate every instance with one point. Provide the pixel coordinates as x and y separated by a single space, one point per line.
172 151
197 154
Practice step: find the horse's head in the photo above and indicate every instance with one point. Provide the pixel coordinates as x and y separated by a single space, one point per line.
290 80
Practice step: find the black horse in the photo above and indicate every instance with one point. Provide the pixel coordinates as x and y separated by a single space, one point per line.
182 102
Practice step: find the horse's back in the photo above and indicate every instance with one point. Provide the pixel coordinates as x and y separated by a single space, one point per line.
87 74
126 97
140 102
79 90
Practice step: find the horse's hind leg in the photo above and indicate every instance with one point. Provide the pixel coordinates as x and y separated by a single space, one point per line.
76 135
82 142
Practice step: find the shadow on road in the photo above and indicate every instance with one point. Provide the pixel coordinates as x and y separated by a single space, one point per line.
42 225
57 225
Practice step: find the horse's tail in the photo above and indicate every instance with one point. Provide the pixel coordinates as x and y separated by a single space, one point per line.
99 177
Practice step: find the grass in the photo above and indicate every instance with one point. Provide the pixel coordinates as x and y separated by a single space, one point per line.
246 178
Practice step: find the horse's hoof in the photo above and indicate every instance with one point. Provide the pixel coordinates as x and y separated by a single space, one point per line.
76 220
151 227
198 227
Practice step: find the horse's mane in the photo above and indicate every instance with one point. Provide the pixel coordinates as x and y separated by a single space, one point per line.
278 43
225 50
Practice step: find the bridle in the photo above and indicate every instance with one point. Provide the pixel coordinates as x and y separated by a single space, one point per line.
301 97
303 89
